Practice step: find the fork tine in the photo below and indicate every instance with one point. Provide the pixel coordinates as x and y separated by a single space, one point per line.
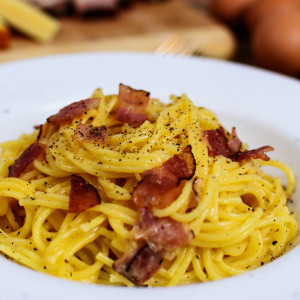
175 44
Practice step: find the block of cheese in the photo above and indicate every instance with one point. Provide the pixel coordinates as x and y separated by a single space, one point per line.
4 34
29 20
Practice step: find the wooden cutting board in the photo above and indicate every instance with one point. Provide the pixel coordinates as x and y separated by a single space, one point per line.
142 26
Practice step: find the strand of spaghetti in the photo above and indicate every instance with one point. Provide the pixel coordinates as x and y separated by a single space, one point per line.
183 266
89 274
57 256
37 227
4 205
200 151
118 244
117 278
24 231
253 254
197 225
113 157
104 259
207 119
20 258
225 267
51 200
114 191
91 224
235 216
63 186
104 108
288 172
210 227
280 194
203 204
84 163
243 179
213 272
10 240
119 228
15 188
238 213
177 204
140 135
198 267
163 118
180 254
178 126
11 219
230 237
124 214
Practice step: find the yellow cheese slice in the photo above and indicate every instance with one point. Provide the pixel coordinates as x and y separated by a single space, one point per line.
29 20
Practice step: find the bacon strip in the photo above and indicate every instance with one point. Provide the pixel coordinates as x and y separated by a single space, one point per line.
73 110
90 133
83 195
25 159
258 153
139 265
161 185
218 144
161 233
133 105
234 143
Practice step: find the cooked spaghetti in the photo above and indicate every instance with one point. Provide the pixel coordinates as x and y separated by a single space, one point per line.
126 190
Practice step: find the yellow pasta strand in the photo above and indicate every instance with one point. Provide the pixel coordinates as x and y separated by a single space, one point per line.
231 234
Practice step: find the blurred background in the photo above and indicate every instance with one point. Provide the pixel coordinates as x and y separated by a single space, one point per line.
262 33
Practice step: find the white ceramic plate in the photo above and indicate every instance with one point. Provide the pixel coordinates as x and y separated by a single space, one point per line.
263 106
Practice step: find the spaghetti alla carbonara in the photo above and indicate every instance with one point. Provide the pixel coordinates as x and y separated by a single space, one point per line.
126 190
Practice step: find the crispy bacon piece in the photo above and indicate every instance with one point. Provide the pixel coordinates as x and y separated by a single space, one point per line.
83 195
234 143
258 153
85 132
161 233
160 186
25 159
218 144
133 105
85 6
139 265
73 110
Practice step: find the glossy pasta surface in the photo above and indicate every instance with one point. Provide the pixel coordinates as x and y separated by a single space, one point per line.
238 214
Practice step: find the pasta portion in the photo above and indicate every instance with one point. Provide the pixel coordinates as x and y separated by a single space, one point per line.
126 190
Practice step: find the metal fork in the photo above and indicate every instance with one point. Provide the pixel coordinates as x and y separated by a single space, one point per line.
175 44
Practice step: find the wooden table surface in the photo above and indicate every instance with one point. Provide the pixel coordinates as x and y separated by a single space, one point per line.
142 26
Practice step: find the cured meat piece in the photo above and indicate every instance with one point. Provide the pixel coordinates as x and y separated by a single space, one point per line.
83 195
218 144
73 110
160 186
90 133
80 6
85 6
161 233
139 265
234 143
133 105
258 153
25 159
